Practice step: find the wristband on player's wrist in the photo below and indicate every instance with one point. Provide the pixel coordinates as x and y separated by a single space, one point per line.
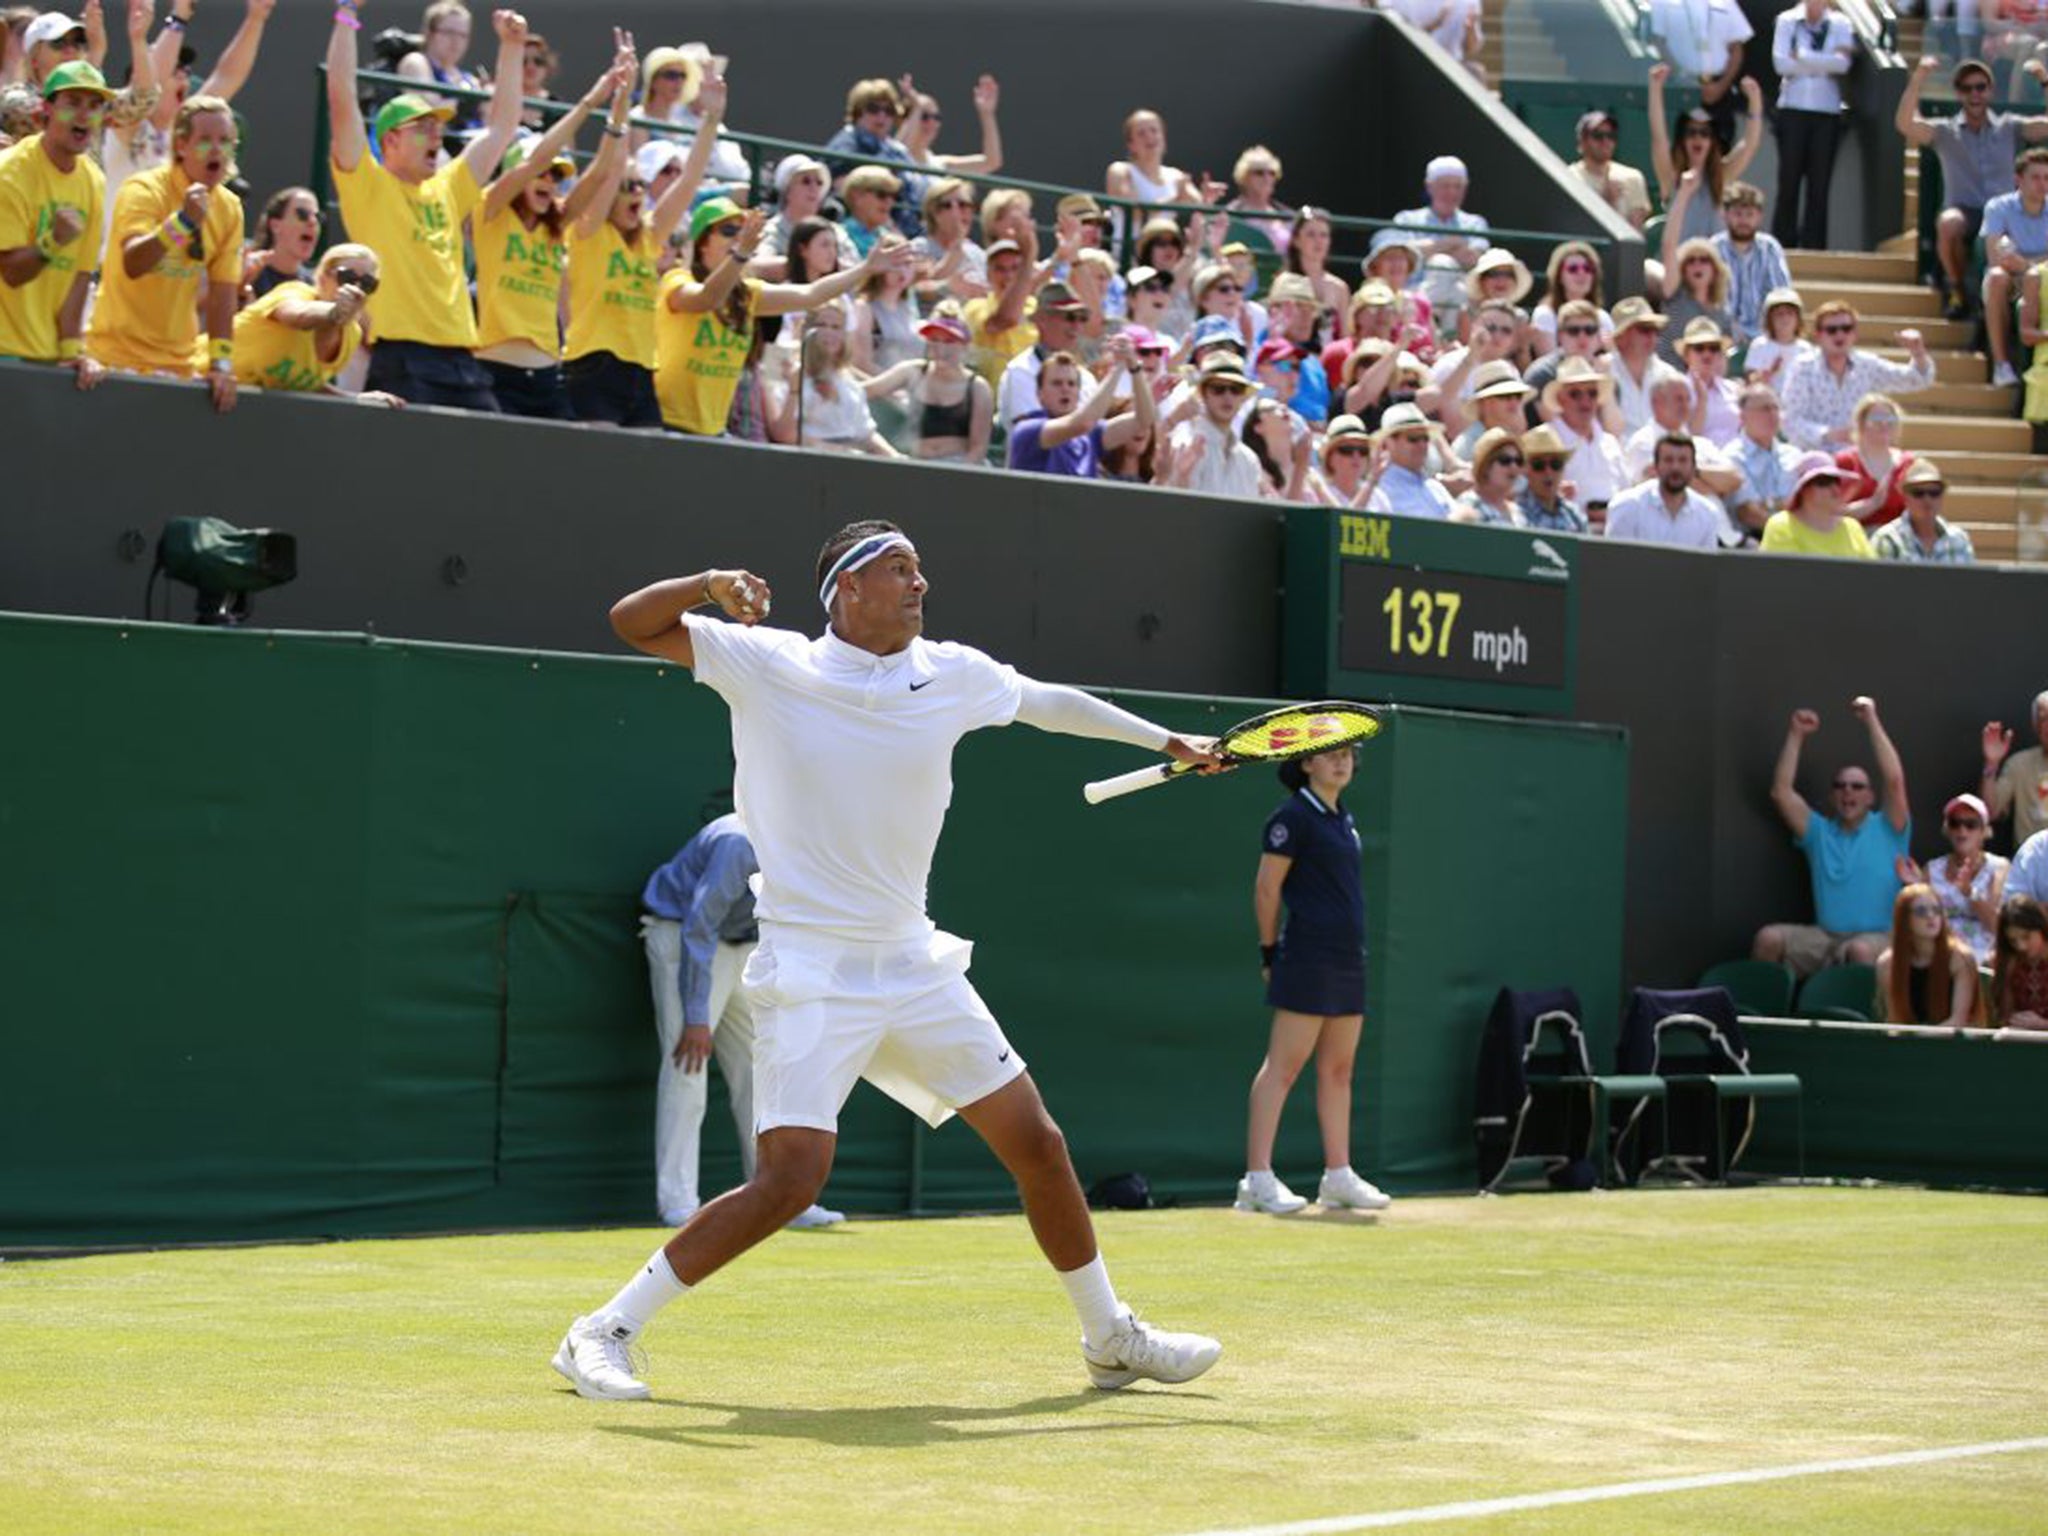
1268 953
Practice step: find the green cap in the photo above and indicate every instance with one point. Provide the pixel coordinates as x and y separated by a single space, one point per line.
400 110
717 211
75 76
521 148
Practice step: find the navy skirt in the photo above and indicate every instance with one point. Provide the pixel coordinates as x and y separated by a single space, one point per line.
1325 982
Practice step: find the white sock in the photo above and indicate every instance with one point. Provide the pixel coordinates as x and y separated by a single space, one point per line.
1260 1178
1095 1299
645 1294
1331 1173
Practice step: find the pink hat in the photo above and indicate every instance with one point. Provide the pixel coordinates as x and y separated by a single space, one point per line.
1145 339
1815 466
945 328
1967 803
1276 351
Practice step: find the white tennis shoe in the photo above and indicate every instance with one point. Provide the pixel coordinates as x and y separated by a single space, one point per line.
598 1360
1347 1189
1264 1192
1138 1351
817 1216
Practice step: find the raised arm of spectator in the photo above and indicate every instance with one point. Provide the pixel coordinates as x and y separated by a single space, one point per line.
891 251
889 380
1138 422
170 37
142 249
590 200
498 193
1914 128
1752 134
95 22
986 94
139 97
694 298
1061 429
1889 767
1793 810
1009 310
1674 223
501 121
347 143
1660 132
670 207
232 69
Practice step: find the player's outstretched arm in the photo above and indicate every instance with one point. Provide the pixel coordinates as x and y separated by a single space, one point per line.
651 619
1070 712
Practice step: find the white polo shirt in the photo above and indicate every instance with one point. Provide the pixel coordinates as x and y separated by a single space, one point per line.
846 766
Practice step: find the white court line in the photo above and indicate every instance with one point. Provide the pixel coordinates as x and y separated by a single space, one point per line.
1429 1514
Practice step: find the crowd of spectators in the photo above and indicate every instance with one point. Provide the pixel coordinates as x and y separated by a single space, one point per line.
872 298
1928 928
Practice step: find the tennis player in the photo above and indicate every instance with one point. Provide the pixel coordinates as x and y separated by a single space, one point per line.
845 747
1315 981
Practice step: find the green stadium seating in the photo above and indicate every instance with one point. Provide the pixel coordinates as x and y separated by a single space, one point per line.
1841 992
1762 987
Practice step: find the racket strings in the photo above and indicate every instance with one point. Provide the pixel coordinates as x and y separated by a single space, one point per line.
1300 733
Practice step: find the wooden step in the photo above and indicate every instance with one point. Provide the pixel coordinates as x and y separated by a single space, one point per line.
1977 505
1907 246
1874 298
1993 541
1880 330
2003 471
1961 400
1945 437
1848 266
1951 366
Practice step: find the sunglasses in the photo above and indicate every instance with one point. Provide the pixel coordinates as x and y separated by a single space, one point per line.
1160 285
1223 389
731 229
1225 288
1578 266
1973 88
1411 438
1601 133
349 277
957 202
1511 460
1547 462
1711 348
1965 824
1880 419
1582 392
1851 784
1924 909
1845 328
1349 451
1927 492
1697 131
633 188
304 215
1579 330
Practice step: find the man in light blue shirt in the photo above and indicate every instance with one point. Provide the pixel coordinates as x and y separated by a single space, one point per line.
2015 238
1852 856
1406 489
2029 873
697 926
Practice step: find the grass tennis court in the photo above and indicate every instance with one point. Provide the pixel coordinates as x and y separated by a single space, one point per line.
923 1376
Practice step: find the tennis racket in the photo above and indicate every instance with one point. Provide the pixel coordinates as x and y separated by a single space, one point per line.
1299 730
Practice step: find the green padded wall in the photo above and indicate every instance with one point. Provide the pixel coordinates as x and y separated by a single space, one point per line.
306 934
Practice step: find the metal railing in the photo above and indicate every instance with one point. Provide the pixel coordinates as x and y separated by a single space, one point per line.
762 151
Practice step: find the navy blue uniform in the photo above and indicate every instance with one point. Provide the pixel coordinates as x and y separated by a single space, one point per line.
1321 965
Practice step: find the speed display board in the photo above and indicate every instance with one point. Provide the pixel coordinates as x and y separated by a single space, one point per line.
1423 612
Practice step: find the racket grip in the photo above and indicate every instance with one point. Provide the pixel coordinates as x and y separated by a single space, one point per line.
1126 783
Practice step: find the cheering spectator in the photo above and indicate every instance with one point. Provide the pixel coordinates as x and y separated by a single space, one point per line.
705 316
920 130
1667 510
1968 882
1977 148
870 193
1347 462
884 326
1406 488
1578 337
2028 875
1873 466
1573 273
2015 239
1497 402
14 25
1821 392
951 408
1143 176
1716 413
800 186
1293 316
671 79
1572 403
1925 975
1308 253
50 200
299 336
2019 975
538 66
1255 175
1852 856
873 110
1000 320
1703 40
2018 781
1497 465
614 245
1207 456
1755 261
1673 412
1782 341
1699 151
177 230
54 39
1543 502
1812 48
1634 364
1148 300
1920 532
835 413
1770 466
1283 453
1695 286
1621 187
521 233
1445 182
1498 276
444 39
1395 258
1813 522
287 235
949 263
401 205
146 144
1496 334
1059 317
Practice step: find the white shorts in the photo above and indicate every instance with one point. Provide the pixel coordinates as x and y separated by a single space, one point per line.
829 1011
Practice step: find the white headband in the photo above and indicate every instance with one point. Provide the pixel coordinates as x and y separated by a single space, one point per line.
869 549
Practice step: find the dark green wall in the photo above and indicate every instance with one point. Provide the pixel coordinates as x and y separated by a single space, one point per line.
307 935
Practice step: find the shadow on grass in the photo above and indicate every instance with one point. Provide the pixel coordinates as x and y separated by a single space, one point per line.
919 1424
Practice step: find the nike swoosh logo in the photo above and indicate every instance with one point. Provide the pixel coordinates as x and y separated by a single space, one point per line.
925 684
1004 1057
